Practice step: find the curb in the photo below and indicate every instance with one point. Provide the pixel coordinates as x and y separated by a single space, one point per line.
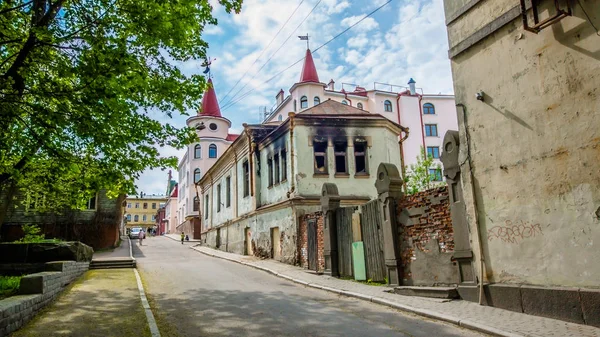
467 324
149 316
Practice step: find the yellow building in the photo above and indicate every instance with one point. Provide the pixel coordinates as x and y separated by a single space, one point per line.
141 211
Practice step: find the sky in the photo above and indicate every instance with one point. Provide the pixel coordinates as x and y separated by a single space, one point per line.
404 39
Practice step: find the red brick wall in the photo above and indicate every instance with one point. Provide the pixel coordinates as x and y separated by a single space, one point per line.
429 214
303 240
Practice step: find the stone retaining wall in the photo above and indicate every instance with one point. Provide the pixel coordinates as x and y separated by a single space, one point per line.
35 292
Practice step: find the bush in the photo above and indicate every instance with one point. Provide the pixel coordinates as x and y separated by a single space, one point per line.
33 234
9 285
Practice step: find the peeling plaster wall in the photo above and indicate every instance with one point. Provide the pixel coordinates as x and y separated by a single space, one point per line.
382 147
535 145
278 191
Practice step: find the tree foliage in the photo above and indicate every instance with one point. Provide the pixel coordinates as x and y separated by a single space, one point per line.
418 178
79 80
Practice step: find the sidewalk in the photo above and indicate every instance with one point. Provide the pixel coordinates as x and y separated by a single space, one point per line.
120 252
100 303
470 315
177 237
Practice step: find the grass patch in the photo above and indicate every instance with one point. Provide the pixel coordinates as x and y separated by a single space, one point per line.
9 286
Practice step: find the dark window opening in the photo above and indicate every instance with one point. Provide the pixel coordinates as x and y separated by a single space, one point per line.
153 205
360 158
245 169
283 165
339 150
228 192
277 169
145 205
212 126
320 149
219 198
270 167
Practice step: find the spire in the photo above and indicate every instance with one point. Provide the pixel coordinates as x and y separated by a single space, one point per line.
309 72
210 105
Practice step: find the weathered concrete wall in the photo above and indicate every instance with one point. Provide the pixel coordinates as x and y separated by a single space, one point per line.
427 238
278 191
382 146
534 144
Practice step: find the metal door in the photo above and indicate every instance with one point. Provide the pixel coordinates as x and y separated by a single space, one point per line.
312 245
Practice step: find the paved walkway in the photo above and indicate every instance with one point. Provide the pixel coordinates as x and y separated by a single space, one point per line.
101 303
177 237
467 314
122 251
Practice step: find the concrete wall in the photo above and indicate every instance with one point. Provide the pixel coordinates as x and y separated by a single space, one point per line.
534 142
382 146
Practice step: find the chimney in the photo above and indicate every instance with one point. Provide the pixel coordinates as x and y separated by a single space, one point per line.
279 97
411 85
331 85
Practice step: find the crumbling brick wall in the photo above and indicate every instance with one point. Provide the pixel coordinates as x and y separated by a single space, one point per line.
303 240
427 238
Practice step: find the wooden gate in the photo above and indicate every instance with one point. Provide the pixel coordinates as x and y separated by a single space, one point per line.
344 236
312 245
372 236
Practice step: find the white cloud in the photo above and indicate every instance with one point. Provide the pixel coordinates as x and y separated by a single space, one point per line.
213 30
366 25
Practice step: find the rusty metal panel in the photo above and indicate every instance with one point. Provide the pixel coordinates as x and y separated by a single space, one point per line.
312 244
373 241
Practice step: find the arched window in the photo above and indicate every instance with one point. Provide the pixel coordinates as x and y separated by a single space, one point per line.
359 105
294 105
345 102
128 217
317 100
387 106
303 102
196 204
136 218
212 151
197 175
280 118
197 151
428 109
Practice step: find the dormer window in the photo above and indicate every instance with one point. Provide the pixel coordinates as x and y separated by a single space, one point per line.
359 105
303 102
387 106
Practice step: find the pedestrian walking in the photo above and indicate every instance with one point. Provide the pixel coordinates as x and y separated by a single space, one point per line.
141 236
182 237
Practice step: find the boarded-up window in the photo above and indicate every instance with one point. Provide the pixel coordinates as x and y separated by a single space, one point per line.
320 149
227 191
219 198
206 206
339 150
360 156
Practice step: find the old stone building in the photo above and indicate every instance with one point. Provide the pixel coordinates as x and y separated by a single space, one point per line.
527 86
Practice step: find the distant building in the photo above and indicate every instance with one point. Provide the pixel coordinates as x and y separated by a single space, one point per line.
140 211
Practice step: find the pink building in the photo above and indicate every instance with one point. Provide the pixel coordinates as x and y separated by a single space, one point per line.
428 116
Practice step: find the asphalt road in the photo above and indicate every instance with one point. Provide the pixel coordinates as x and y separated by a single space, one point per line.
203 296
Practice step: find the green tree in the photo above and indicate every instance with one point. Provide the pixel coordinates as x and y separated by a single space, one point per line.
418 177
79 81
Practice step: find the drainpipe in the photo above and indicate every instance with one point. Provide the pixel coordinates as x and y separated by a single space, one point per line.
250 161
422 126
236 185
346 96
292 177
401 142
475 207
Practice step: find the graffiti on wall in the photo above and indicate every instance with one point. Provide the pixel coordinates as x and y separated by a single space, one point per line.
514 232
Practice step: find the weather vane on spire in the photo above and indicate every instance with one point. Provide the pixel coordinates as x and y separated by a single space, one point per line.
304 38
206 64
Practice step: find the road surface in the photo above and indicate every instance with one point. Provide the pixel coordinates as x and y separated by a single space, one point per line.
197 295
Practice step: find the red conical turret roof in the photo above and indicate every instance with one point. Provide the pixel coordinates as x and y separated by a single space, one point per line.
210 105
309 71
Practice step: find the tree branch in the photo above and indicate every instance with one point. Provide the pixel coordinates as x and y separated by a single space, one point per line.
15 8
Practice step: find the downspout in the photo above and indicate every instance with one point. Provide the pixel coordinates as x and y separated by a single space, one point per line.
422 126
476 209
211 201
346 96
401 142
292 176
235 209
